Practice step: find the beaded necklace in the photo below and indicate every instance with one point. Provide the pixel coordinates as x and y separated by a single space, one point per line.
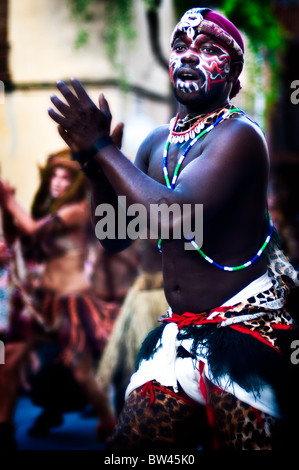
193 141
180 134
171 185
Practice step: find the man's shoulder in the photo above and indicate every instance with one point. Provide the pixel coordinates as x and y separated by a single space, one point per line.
239 137
244 124
158 132
240 130
155 137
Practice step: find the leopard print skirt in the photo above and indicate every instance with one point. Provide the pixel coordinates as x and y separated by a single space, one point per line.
164 421
239 426
154 417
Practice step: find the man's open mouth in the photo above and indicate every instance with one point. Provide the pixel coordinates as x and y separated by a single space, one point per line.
187 81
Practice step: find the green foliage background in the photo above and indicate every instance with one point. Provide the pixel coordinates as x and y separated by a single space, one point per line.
253 17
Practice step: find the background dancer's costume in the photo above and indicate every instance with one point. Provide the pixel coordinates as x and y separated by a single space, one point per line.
137 317
56 318
80 320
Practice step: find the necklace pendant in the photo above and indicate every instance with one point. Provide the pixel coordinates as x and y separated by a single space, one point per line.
181 139
187 137
192 134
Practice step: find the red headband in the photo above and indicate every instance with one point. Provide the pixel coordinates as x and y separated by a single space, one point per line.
207 21
227 26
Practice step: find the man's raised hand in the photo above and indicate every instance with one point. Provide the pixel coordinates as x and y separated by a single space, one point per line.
80 121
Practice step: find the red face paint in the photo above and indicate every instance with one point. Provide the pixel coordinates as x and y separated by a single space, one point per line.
198 63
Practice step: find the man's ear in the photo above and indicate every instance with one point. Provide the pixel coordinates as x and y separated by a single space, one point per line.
235 70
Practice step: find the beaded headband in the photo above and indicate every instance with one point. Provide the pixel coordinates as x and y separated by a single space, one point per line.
192 23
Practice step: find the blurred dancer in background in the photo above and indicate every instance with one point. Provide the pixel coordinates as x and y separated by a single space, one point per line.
5 257
138 316
55 310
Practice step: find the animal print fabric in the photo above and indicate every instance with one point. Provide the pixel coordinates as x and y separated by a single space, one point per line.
237 425
154 417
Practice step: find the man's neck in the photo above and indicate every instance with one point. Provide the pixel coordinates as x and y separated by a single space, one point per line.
191 112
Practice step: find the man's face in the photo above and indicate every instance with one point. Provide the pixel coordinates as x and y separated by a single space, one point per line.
198 68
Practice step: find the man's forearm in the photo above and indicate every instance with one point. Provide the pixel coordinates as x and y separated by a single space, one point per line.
128 180
103 194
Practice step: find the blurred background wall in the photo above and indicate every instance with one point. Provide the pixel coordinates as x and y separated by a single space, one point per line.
40 49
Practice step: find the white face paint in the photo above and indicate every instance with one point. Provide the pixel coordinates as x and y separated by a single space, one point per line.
188 23
198 64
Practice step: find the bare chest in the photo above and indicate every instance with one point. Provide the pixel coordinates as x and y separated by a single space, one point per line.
171 159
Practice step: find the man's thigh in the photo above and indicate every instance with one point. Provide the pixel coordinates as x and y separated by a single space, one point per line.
156 417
